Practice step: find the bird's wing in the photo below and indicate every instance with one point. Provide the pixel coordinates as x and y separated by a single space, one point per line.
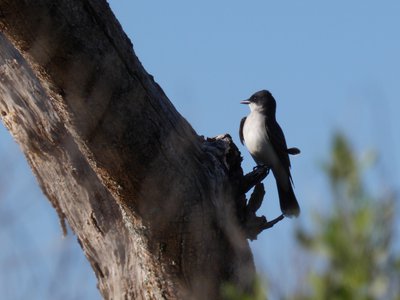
241 129
293 151
277 139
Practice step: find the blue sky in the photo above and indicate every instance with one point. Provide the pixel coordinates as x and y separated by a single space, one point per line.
330 65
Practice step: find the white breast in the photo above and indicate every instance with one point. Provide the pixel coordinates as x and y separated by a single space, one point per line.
256 140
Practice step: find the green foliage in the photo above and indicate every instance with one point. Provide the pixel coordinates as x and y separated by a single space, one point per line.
354 242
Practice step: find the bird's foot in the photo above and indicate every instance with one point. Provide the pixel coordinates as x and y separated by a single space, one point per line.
256 176
261 167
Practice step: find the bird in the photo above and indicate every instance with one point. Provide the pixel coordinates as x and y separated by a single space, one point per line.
264 139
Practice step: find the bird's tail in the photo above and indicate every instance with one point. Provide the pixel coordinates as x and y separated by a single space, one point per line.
289 205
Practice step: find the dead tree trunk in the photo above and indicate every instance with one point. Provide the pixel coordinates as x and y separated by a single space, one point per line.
159 211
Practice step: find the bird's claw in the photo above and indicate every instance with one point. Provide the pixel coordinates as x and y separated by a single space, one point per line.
262 168
253 178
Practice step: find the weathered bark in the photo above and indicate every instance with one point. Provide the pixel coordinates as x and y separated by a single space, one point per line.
156 208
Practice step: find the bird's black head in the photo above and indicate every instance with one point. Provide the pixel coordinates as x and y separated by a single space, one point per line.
262 101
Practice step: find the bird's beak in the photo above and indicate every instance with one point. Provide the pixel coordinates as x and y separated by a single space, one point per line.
245 102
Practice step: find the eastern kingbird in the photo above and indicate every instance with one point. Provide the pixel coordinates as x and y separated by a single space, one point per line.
266 143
